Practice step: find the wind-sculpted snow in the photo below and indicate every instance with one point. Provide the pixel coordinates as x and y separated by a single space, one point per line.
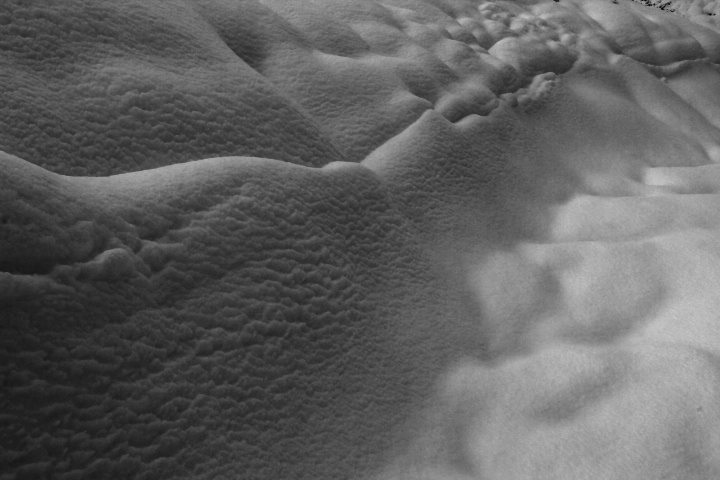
400 240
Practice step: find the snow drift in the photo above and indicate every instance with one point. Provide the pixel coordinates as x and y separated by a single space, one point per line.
327 239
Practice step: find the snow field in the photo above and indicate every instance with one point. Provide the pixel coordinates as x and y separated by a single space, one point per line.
441 239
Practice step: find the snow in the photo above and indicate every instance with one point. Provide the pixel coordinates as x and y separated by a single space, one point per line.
334 239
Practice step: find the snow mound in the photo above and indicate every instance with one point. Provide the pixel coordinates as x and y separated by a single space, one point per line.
335 239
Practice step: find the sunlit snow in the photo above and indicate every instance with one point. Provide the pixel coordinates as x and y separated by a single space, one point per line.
356 239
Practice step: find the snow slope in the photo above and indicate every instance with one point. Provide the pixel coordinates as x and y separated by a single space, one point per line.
341 239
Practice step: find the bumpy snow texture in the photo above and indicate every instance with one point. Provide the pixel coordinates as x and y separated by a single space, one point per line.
354 239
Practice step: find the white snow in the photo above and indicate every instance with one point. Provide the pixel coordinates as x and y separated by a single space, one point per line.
342 239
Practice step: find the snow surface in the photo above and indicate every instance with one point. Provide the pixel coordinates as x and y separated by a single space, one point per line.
343 239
